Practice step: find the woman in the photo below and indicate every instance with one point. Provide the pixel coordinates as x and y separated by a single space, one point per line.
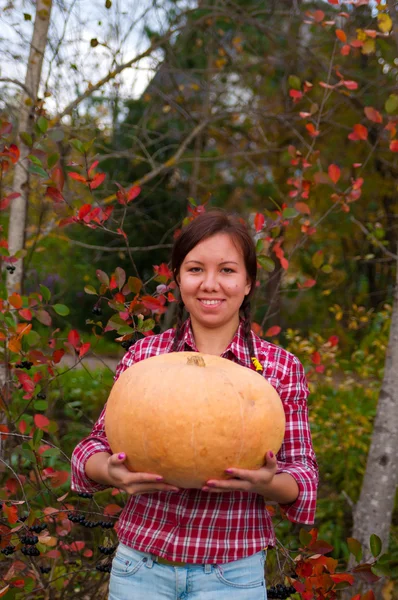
210 543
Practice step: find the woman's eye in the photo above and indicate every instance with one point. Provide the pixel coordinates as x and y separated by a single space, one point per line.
194 269
228 270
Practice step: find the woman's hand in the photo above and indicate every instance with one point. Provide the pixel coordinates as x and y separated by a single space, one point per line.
110 470
135 483
257 481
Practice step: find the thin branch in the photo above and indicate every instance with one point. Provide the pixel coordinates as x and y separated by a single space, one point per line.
374 239
19 84
118 249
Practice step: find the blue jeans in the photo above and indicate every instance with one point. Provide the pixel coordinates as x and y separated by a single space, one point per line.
137 576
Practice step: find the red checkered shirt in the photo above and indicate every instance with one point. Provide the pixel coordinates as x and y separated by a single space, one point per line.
199 527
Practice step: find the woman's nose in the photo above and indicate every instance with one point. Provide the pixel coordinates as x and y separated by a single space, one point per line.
210 282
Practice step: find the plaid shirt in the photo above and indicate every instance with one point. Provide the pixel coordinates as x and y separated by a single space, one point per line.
199 527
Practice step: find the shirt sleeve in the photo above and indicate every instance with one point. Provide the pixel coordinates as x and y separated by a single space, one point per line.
95 442
297 456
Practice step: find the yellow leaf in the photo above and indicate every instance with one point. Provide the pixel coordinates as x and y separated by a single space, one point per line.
48 540
369 47
384 22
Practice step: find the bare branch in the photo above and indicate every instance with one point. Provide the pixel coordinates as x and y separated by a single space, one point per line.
19 84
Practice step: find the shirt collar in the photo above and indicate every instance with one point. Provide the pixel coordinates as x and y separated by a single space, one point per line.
238 346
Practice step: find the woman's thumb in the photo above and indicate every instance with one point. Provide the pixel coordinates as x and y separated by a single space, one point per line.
118 458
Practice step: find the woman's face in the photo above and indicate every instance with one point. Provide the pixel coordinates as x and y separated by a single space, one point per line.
213 281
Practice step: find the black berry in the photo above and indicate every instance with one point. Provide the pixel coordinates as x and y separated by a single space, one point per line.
45 569
85 495
96 310
41 396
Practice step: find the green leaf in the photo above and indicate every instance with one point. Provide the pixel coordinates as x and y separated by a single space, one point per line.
52 160
34 159
26 138
391 104
120 276
355 548
56 135
134 284
77 144
37 438
266 263
317 259
32 338
327 268
45 292
42 124
375 545
124 329
89 289
4 252
40 404
87 146
51 452
192 201
27 17
147 325
259 246
290 213
61 309
305 537
38 171
108 4
294 82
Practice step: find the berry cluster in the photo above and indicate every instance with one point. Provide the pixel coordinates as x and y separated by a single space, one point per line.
30 551
96 310
103 568
41 396
23 518
85 495
25 364
280 591
107 549
29 540
38 528
81 519
45 569
8 550
10 268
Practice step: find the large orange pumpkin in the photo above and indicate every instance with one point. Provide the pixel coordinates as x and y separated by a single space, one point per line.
189 416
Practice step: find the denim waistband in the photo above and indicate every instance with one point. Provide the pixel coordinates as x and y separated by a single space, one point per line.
131 553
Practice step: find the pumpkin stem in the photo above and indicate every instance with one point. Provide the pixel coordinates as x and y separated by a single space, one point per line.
196 360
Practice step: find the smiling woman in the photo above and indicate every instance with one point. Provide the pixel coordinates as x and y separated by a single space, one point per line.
208 541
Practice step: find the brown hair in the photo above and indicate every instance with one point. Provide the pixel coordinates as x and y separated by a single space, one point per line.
202 227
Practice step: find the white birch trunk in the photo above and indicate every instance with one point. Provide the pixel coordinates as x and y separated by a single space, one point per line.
373 511
19 206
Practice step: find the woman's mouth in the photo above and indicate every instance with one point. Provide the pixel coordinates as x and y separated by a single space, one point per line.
211 303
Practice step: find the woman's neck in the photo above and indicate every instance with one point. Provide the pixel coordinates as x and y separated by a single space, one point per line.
213 340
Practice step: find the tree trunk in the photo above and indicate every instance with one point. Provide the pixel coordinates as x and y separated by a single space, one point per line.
19 206
373 511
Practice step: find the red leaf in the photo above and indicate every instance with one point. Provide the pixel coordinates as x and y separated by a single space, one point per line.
334 173
273 331
368 595
95 163
43 316
318 15
308 283
22 426
316 358
7 199
53 554
340 34
320 547
88 553
359 132
311 130
4 428
77 177
333 340
76 546
41 421
345 50
84 348
54 194
394 146
112 509
74 338
373 115
25 381
57 176
303 208
57 356
84 211
113 283
152 303
133 192
97 180
11 513
296 95
350 85
259 221
338 577
25 313
15 153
